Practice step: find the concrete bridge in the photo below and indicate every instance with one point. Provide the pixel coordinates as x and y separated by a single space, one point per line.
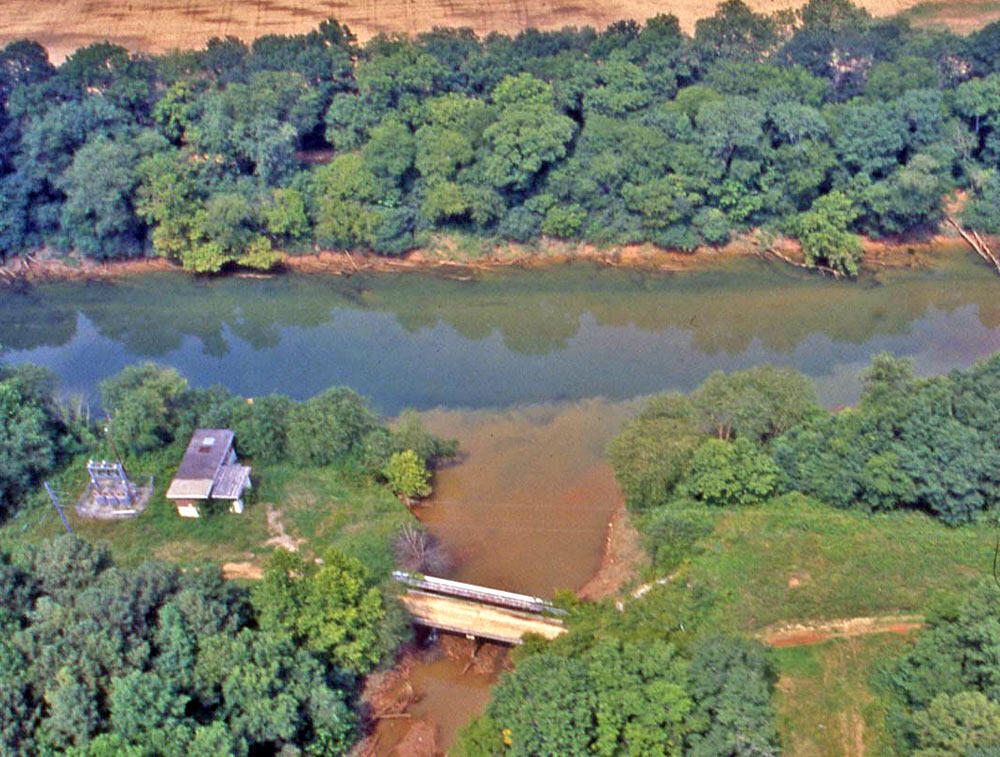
478 611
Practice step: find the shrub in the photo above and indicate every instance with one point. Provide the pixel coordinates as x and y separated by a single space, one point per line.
669 533
723 474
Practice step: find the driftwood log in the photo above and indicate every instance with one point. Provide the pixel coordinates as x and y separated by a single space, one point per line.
805 266
977 243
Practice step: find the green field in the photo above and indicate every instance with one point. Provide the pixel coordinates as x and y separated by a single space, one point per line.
793 561
826 701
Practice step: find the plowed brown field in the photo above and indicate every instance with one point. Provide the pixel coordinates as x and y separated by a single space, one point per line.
159 25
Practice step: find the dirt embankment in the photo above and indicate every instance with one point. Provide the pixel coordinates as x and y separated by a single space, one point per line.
159 25
620 559
447 260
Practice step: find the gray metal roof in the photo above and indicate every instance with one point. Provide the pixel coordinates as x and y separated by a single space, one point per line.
205 452
231 482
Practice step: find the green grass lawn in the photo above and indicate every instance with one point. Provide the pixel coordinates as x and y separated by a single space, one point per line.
318 508
826 703
796 561
793 561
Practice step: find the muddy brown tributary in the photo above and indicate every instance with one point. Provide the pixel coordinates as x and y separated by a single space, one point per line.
525 509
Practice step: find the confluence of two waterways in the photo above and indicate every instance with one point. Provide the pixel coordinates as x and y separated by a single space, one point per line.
533 371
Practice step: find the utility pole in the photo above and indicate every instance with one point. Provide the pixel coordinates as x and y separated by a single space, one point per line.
114 449
58 506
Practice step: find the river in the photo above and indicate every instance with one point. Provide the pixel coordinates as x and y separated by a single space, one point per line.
533 371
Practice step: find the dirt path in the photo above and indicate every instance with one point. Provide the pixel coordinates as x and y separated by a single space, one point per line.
804 634
277 537
249 570
276 527
161 25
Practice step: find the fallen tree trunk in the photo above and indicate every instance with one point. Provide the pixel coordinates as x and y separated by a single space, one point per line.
805 266
977 243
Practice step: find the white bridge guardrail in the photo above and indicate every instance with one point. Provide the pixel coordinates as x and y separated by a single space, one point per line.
479 593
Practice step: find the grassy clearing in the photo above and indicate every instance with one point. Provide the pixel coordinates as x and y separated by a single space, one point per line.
320 507
328 508
796 561
826 704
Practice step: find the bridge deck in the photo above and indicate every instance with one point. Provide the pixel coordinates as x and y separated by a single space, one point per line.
475 619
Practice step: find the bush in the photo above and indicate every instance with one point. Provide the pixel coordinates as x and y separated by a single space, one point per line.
948 685
520 224
669 533
328 427
723 474
650 456
417 550
407 476
759 403
142 401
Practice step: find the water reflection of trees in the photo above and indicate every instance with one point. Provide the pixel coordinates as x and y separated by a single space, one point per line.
151 315
28 321
535 313
723 311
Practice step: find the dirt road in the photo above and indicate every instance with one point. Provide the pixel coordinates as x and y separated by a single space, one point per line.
797 635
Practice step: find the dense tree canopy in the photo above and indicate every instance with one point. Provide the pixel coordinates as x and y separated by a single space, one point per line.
926 444
36 432
948 685
99 660
625 698
331 607
823 123
920 443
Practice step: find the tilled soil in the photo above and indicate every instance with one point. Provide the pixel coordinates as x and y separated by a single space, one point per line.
161 25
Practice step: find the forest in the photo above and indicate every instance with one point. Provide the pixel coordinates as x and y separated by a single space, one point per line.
925 444
821 124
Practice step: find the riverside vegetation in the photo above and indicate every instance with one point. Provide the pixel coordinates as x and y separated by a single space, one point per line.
821 124
106 652
726 485
763 508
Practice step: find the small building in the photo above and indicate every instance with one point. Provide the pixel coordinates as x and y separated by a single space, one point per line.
209 471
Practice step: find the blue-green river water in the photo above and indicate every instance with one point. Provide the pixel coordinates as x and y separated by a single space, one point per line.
507 338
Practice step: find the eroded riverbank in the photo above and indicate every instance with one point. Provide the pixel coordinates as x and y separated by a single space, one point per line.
448 257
